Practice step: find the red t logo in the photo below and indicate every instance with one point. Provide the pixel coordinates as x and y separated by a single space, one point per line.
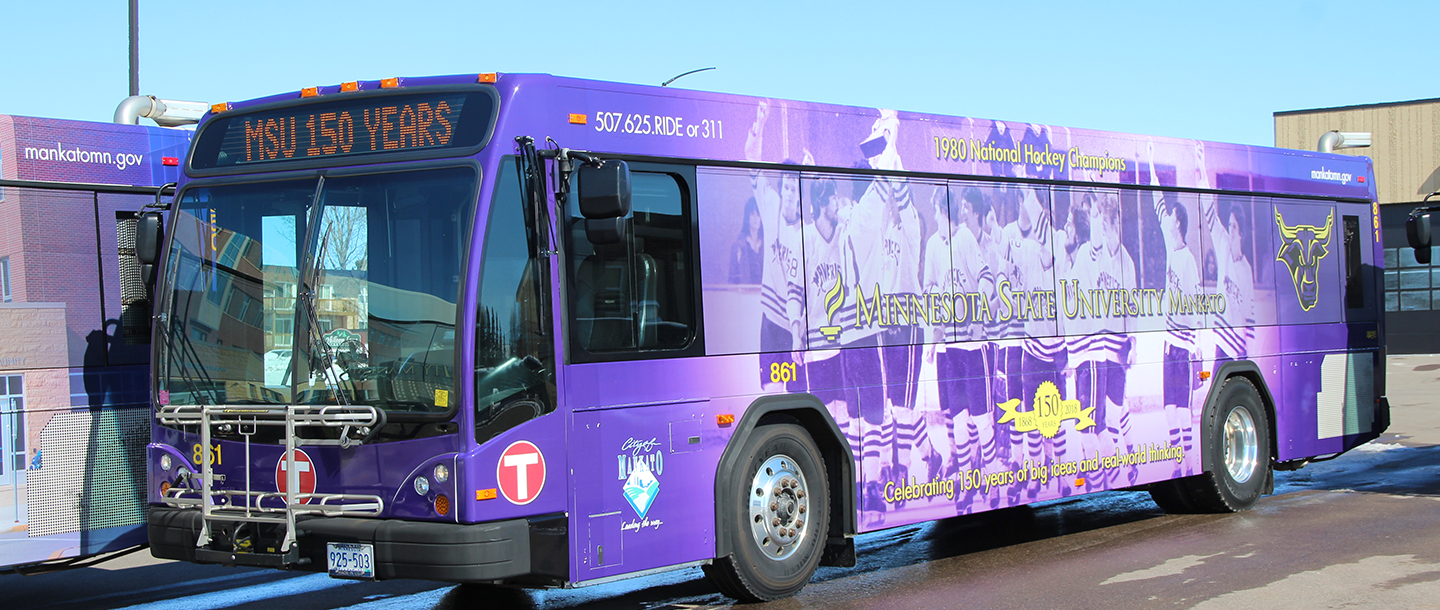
521 472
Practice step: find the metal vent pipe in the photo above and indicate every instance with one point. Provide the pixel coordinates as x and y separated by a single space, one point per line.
132 108
166 113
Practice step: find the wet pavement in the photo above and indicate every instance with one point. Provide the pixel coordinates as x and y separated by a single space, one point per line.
1360 531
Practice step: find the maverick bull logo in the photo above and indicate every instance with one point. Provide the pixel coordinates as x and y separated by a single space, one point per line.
1301 250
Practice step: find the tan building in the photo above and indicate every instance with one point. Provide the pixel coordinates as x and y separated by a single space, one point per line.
1406 151
1405 148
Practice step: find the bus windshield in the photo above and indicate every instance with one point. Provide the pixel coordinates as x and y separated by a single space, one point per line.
326 290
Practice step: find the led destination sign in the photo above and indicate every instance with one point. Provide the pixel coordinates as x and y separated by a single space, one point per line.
355 126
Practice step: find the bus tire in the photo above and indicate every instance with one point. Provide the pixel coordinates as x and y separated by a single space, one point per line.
1173 496
777 505
1237 447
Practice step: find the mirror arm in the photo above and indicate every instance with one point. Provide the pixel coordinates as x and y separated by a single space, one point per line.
565 159
159 192
1426 209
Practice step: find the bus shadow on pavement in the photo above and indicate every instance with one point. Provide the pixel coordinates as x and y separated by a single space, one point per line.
974 534
1383 468
876 551
684 589
1373 468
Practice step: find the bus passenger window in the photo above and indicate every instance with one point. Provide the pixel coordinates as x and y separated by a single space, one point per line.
637 294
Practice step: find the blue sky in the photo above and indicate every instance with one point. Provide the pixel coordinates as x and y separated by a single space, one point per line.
1210 70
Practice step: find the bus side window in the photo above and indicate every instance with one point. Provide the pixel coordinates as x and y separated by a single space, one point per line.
514 354
637 294
1354 289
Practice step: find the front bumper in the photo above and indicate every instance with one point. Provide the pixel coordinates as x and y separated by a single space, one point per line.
531 551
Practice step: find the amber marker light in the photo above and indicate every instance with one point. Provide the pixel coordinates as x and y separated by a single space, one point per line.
219 108
164 488
578 119
353 85
725 419
310 92
1204 375
442 505
390 83
486 494
1079 482
488 77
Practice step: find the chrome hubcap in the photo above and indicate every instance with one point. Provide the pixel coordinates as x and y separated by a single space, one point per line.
779 507
1242 445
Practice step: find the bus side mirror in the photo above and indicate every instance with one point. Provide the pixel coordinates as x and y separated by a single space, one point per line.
605 190
149 232
1417 230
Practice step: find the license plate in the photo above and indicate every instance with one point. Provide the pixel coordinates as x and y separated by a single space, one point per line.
347 560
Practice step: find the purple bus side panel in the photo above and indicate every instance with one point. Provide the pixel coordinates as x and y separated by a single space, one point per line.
544 494
643 480
700 125
650 444
797 258
97 153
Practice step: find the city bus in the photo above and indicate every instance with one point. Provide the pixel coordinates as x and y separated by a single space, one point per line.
74 390
538 331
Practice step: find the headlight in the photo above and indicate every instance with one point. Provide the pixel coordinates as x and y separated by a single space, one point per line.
422 486
166 462
442 473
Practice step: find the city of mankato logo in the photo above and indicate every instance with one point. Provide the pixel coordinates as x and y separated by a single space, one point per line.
1048 413
1301 249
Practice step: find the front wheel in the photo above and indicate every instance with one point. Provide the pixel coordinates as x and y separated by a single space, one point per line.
1237 447
776 511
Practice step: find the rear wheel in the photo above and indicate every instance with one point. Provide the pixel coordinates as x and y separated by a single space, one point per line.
776 509
1173 497
1237 447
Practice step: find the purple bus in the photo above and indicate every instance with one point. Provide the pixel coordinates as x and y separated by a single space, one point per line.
542 331
74 391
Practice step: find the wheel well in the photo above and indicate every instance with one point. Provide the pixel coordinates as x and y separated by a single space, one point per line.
808 412
1251 372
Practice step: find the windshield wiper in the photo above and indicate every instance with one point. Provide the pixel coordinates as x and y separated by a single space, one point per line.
309 272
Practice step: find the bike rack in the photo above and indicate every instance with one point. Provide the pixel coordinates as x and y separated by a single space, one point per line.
233 505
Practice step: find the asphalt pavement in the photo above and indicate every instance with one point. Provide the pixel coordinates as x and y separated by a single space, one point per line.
1361 531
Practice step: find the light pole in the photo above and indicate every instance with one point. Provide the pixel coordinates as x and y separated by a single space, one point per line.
134 48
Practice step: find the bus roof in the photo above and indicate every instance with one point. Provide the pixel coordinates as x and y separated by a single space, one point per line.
643 120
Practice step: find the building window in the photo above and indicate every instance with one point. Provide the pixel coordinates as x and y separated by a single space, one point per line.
1409 284
282 295
284 331
5 294
12 424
